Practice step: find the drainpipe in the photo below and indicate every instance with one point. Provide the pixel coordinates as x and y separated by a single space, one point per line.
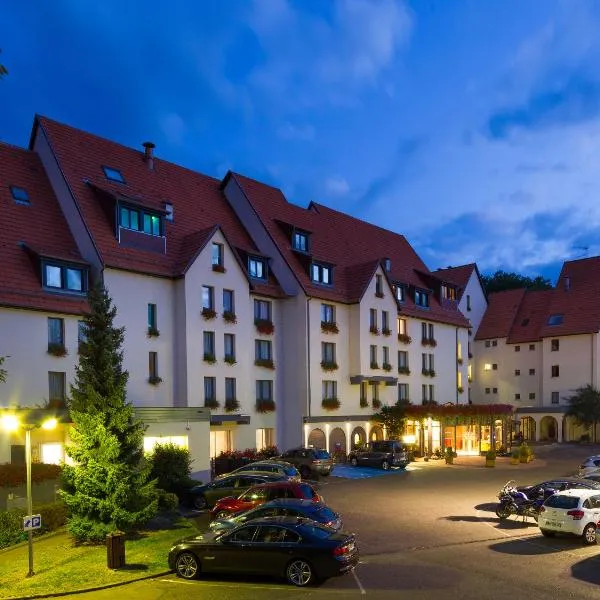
456 365
308 382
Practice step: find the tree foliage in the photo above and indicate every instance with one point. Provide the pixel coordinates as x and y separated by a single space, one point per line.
584 406
172 468
501 280
108 488
392 418
3 372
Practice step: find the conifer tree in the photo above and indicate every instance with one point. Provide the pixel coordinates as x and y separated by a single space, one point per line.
108 487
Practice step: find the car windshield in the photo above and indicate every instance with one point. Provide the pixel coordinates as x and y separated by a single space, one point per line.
291 471
560 501
321 454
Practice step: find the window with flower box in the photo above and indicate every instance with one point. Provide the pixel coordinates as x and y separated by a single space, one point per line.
373 356
229 345
403 392
56 337
210 392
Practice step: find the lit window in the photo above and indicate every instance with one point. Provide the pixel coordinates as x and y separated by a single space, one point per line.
140 220
300 241
555 319
449 293
256 268
399 291
321 274
487 367
113 174
19 195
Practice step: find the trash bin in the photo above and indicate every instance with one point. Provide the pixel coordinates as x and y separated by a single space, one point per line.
115 550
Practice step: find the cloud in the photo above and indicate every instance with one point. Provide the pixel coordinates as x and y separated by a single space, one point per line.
288 131
337 186
173 127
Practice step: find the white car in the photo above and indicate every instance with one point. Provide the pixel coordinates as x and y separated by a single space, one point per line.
591 464
576 512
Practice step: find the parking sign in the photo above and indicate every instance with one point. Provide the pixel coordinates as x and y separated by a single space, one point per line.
31 522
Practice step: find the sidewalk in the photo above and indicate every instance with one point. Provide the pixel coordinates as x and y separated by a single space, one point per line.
478 462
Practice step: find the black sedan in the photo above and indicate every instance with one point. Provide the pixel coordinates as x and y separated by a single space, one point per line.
283 507
298 549
558 485
206 495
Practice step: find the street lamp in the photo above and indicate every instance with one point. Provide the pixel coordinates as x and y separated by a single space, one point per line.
12 423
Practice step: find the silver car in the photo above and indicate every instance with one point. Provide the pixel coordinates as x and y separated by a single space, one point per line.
276 467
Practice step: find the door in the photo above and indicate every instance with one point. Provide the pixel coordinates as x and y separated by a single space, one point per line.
221 488
234 553
269 554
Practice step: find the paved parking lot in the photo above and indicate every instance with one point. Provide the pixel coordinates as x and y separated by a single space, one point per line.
428 533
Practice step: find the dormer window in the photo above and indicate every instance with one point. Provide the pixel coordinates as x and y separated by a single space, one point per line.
20 195
64 277
399 292
320 273
422 298
448 293
300 241
387 264
138 219
555 320
257 268
113 174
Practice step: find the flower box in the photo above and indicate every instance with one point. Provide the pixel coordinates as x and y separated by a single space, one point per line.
374 365
154 380
374 330
57 349
364 403
265 406
329 327
209 358
403 371
229 317
208 314
429 342
218 268
428 372
329 365
230 360
404 338
386 331
267 363
330 403
459 361
376 403
460 389
152 332
387 367
211 403
264 326
232 405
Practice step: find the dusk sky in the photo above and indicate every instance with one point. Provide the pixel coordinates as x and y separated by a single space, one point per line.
470 126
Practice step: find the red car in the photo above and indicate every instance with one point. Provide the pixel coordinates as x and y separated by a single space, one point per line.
259 494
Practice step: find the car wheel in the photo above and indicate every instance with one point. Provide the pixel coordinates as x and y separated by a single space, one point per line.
547 533
385 465
589 534
326 474
222 514
354 462
299 573
187 566
200 503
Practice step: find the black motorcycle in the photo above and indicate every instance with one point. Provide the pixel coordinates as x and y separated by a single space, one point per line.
514 502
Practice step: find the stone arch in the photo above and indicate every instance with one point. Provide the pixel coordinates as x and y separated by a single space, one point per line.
317 439
528 429
376 432
359 436
337 441
548 429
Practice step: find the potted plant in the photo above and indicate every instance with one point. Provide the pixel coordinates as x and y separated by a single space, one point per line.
387 367
211 403
386 331
404 338
514 456
329 327
267 363
264 326
328 365
490 458
525 453
154 380
229 316
374 330
232 405
208 314
153 331
218 268
229 359
449 455
376 404
264 406
57 349
209 358
403 371
330 403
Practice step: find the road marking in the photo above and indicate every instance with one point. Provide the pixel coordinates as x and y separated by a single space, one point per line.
236 585
358 583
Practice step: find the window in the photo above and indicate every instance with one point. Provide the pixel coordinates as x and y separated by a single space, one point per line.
263 350
401 326
378 285
494 367
152 323
430 331
427 393
532 371
387 264
208 297
210 390
386 355
372 318
487 367
399 291
555 319
228 301
328 352
57 386
262 310
468 302
140 220
494 343
321 274
421 298
554 345
517 396
373 355
517 348
64 278
329 390
487 390
152 365
230 390
487 343
531 346
264 390
402 359
229 345
555 398
554 371
81 334
300 241
113 174
385 320
517 372
449 293
208 338
532 395
327 313
217 255
169 211
423 331
20 195
494 390
403 391
374 390
56 331
427 362
257 268
363 392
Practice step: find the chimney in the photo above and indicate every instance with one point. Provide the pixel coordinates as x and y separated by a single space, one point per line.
567 283
149 154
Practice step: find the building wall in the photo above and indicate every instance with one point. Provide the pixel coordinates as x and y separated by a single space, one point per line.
474 290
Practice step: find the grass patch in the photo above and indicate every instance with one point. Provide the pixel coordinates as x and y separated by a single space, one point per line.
60 566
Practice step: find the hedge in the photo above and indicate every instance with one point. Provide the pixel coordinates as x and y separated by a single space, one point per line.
12 475
54 516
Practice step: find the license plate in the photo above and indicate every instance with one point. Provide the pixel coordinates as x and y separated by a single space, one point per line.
554 524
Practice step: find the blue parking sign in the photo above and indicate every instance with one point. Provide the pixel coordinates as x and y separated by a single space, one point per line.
32 522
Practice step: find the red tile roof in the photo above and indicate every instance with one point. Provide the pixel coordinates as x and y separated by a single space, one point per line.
40 226
500 314
531 317
198 203
457 275
354 247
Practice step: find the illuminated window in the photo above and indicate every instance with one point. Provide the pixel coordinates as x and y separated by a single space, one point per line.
321 274
265 437
487 367
52 453
140 220
300 241
150 442
256 268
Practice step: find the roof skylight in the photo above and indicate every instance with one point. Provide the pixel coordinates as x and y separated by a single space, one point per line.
19 194
113 174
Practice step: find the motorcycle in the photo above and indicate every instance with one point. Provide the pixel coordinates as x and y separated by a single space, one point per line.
514 502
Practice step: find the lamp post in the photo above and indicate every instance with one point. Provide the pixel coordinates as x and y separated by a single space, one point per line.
12 423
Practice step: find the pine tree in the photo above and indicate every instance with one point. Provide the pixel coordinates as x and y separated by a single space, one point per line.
108 487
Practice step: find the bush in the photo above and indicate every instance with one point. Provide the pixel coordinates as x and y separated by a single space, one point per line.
525 451
167 502
54 516
171 467
14 475
490 455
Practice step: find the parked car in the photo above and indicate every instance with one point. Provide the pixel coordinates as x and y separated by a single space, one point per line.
278 467
311 462
381 453
575 512
259 494
283 507
591 464
300 550
593 476
559 485
205 495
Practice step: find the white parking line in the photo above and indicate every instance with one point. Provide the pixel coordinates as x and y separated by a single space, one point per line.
219 584
358 583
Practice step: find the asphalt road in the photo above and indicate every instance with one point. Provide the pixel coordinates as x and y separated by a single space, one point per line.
427 533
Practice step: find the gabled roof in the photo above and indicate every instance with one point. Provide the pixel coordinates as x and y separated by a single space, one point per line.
530 317
198 203
32 231
353 246
500 314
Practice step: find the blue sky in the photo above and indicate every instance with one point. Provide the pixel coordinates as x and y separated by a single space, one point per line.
472 127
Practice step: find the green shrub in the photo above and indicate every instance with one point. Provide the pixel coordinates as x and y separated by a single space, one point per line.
54 515
490 455
14 475
171 467
167 502
525 451
11 527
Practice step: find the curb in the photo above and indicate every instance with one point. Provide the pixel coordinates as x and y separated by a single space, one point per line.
91 589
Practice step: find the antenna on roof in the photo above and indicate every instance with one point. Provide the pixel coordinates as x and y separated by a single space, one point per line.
585 249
